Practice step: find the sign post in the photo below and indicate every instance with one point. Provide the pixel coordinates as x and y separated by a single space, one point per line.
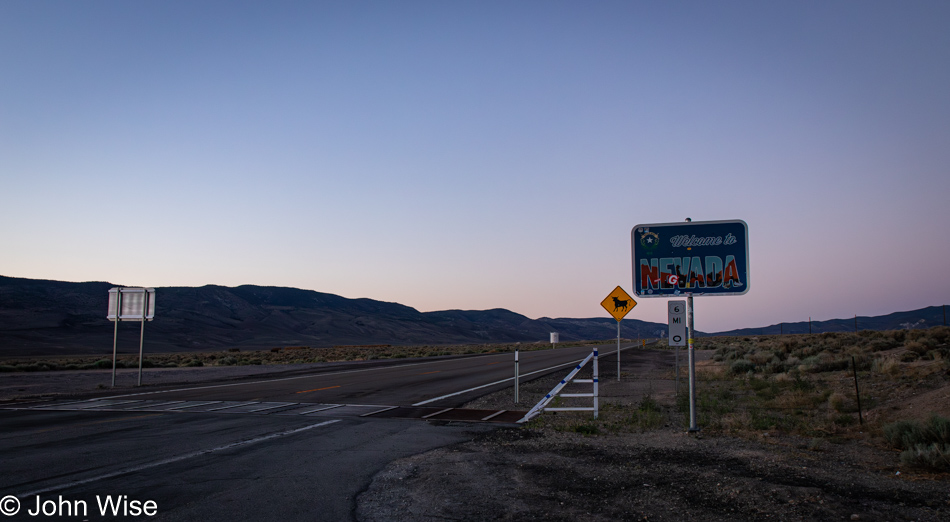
618 304
130 304
687 259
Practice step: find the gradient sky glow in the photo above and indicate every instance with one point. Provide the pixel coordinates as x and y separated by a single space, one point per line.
480 154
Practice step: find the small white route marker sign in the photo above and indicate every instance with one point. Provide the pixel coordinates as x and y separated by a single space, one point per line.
677 322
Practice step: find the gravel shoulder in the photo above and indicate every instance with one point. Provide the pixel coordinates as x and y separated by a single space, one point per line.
547 470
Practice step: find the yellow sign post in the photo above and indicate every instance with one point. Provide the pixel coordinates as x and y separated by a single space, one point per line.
618 304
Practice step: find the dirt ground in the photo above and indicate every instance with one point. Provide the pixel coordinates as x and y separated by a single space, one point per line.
547 470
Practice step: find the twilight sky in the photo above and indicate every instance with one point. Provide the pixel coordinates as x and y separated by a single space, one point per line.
480 154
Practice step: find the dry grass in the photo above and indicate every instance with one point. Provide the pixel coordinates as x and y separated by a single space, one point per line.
804 384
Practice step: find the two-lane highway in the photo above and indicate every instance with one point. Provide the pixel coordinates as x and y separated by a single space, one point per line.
441 382
275 457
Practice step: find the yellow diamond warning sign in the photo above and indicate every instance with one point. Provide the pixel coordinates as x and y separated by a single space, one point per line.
618 303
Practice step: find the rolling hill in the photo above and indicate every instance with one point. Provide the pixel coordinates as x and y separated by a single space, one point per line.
40 317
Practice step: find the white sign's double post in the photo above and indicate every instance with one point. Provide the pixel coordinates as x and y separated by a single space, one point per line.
130 304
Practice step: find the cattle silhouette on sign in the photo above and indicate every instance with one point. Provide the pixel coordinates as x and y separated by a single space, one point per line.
620 304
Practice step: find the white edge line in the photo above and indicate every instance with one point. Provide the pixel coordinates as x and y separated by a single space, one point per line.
379 411
244 403
174 459
322 408
436 414
493 415
194 405
279 405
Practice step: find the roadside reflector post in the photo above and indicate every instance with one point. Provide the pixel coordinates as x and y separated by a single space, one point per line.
516 376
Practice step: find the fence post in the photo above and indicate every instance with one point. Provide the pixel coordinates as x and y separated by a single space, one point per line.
857 393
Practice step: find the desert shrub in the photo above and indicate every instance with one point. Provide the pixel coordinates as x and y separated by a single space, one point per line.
887 366
909 356
917 347
798 383
903 434
908 434
831 365
940 334
897 335
928 456
760 358
586 429
743 366
836 401
775 366
648 403
226 361
845 420
102 364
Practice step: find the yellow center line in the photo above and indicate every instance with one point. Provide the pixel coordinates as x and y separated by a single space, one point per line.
319 389
427 373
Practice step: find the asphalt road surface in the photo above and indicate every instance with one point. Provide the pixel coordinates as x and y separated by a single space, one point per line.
297 447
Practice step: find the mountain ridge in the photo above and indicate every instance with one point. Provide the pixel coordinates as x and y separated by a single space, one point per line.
48 317
44 317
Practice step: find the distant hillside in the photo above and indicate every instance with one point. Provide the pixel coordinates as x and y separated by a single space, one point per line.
922 318
53 317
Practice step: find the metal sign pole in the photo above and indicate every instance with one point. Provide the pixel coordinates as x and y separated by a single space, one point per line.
115 332
618 351
677 351
142 332
692 364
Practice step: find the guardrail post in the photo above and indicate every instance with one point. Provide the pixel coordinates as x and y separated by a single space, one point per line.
596 356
